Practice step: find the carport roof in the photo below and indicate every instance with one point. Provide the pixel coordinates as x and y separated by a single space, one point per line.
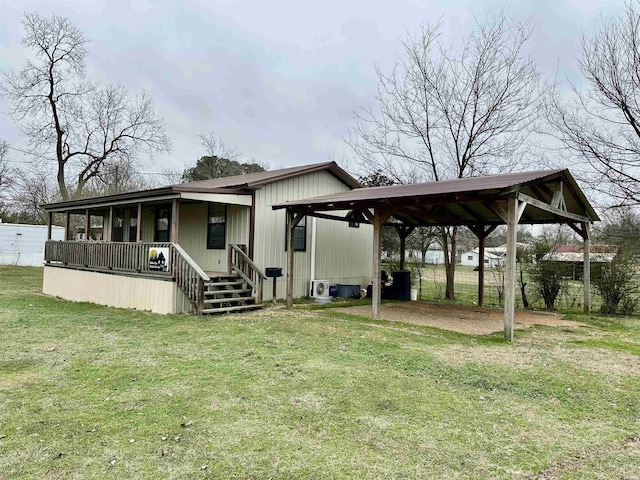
551 196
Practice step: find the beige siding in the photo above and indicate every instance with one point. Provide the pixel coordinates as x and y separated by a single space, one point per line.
343 254
193 234
158 296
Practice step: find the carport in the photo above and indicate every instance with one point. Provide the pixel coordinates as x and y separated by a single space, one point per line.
479 203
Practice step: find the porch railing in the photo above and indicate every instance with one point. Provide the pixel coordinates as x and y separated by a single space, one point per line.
240 263
132 258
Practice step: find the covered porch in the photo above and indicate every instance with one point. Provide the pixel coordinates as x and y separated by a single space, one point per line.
134 245
481 204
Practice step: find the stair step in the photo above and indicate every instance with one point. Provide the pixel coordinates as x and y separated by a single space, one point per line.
219 292
230 300
223 275
223 284
237 308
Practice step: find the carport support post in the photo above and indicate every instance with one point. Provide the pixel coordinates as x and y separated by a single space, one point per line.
377 253
292 221
481 238
586 274
510 280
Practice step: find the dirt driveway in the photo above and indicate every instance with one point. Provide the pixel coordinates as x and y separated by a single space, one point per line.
464 319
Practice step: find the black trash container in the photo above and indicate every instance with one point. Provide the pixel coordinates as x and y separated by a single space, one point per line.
402 285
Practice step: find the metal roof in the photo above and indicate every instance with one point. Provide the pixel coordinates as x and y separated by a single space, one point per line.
465 201
237 184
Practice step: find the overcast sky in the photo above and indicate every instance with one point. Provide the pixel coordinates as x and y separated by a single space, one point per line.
276 79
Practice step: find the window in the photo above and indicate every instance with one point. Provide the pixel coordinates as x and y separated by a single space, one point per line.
299 237
161 231
118 225
133 225
469 257
217 226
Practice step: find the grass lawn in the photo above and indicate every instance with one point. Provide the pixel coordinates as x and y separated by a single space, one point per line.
96 392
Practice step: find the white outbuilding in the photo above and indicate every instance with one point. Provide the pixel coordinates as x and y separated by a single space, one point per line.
23 245
472 259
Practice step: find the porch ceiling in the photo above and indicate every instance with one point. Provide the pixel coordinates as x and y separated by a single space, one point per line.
132 199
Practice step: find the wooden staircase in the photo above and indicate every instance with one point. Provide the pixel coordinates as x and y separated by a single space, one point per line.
225 293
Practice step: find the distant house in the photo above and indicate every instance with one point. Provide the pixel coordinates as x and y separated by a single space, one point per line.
207 245
501 250
472 259
571 257
23 245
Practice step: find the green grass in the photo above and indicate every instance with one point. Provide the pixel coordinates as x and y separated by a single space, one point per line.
308 393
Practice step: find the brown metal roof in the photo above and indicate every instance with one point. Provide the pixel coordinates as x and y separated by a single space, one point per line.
237 184
253 181
459 202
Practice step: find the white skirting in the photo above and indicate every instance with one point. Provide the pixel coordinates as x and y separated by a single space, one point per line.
158 296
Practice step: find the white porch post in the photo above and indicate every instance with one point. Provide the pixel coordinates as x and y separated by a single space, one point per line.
510 280
586 275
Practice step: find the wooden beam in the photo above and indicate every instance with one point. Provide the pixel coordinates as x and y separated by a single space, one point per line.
586 274
139 223
67 224
108 235
175 220
498 210
377 253
87 224
49 224
403 232
292 220
510 275
554 211
481 241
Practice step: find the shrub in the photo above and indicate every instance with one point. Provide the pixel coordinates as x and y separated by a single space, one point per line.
615 282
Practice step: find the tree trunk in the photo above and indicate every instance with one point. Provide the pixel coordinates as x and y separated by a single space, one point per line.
449 248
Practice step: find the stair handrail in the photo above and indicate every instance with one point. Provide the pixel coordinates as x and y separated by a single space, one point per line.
250 274
189 276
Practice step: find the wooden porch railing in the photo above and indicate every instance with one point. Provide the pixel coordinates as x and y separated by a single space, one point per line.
240 263
131 258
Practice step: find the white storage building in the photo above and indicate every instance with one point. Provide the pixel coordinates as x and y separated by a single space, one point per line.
23 245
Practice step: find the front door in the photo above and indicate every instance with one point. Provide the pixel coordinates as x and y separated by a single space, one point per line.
162 224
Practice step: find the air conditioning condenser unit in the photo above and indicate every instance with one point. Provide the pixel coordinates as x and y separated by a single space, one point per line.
319 288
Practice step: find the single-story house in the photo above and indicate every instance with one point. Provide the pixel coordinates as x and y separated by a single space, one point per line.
472 259
570 257
209 245
23 245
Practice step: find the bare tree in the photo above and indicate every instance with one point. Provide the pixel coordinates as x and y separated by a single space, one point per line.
66 117
452 112
601 123
5 170
31 189
215 146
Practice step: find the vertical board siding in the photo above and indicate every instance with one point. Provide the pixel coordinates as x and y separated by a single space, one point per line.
157 296
343 254
193 234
